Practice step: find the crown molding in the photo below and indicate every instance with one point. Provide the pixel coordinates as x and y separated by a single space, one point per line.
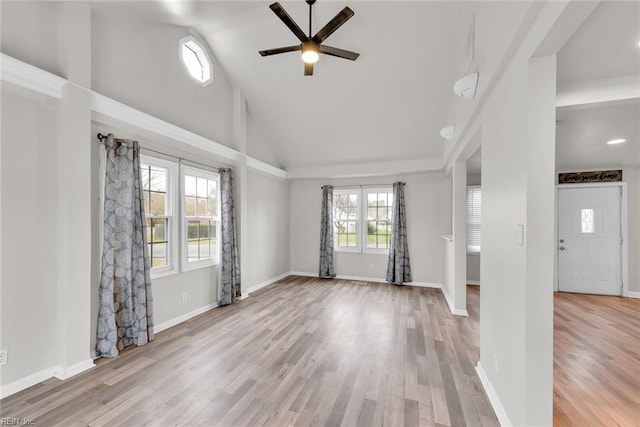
363 170
22 74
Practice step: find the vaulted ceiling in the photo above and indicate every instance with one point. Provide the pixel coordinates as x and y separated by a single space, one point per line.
388 105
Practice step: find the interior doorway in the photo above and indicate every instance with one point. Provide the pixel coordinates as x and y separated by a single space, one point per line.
591 238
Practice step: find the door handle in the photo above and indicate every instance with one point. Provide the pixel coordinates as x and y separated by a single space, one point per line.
562 248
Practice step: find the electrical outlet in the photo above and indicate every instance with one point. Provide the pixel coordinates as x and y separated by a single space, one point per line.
495 362
184 297
4 354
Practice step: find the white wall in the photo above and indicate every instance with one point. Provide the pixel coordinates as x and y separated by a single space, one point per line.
30 33
423 193
29 235
137 63
268 214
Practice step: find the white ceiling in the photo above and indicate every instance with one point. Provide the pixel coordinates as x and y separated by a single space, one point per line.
391 103
604 47
582 134
388 105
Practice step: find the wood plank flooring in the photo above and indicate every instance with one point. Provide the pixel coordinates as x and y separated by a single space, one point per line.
301 352
596 361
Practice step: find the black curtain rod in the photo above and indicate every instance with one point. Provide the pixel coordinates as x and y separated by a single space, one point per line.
102 137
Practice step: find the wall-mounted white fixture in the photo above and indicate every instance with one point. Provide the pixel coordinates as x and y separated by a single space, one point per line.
616 141
448 132
466 86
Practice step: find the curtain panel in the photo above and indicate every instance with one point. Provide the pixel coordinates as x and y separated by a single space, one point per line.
398 266
230 264
326 234
125 315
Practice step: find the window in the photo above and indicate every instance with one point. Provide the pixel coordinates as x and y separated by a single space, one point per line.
158 178
474 203
345 220
196 61
587 221
362 226
379 209
201 218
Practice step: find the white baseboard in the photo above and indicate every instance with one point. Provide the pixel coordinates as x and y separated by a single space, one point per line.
183 318
266 283
26 382
493 397
632 294
64 373
473 282
367 279
454 310
57 371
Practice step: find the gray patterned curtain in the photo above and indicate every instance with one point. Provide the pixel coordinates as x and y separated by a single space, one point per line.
230 265
326 234
398 268
125 316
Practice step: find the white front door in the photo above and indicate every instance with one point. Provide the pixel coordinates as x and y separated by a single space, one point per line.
589 240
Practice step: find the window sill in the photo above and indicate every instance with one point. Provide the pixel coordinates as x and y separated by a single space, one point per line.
347 250
162 273
198 266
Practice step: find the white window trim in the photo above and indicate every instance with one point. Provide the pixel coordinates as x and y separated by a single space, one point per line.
172 209
361 220
357 248
203 50
365 192
195 265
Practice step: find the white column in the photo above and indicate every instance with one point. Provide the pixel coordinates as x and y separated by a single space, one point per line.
459 231
540 241
74 192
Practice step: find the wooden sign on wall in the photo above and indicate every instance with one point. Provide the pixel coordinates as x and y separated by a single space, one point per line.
596 176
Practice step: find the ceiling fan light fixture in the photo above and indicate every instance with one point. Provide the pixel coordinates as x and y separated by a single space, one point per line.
310 52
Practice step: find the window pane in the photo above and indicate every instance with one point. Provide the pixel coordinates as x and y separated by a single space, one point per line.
192 250
204 249
159 229
158 203
204 229
148 230
158 254
202 187
190 206
588 225
192 230
158 180
145 196
201 207
144 174
212 207
371 212
213 189
189 185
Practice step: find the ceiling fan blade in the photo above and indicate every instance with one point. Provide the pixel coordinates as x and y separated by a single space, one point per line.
308 69
278 50
288 21
337 21
340 53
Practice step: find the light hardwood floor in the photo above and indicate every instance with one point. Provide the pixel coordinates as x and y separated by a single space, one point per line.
596 361
303 351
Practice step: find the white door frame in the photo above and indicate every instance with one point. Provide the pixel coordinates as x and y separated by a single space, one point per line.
624 255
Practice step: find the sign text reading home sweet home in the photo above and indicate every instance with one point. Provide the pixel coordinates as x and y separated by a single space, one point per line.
596 176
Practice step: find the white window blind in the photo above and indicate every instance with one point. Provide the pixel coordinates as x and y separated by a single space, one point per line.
474 204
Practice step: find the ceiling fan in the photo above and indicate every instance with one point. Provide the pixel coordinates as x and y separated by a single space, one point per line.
312 47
